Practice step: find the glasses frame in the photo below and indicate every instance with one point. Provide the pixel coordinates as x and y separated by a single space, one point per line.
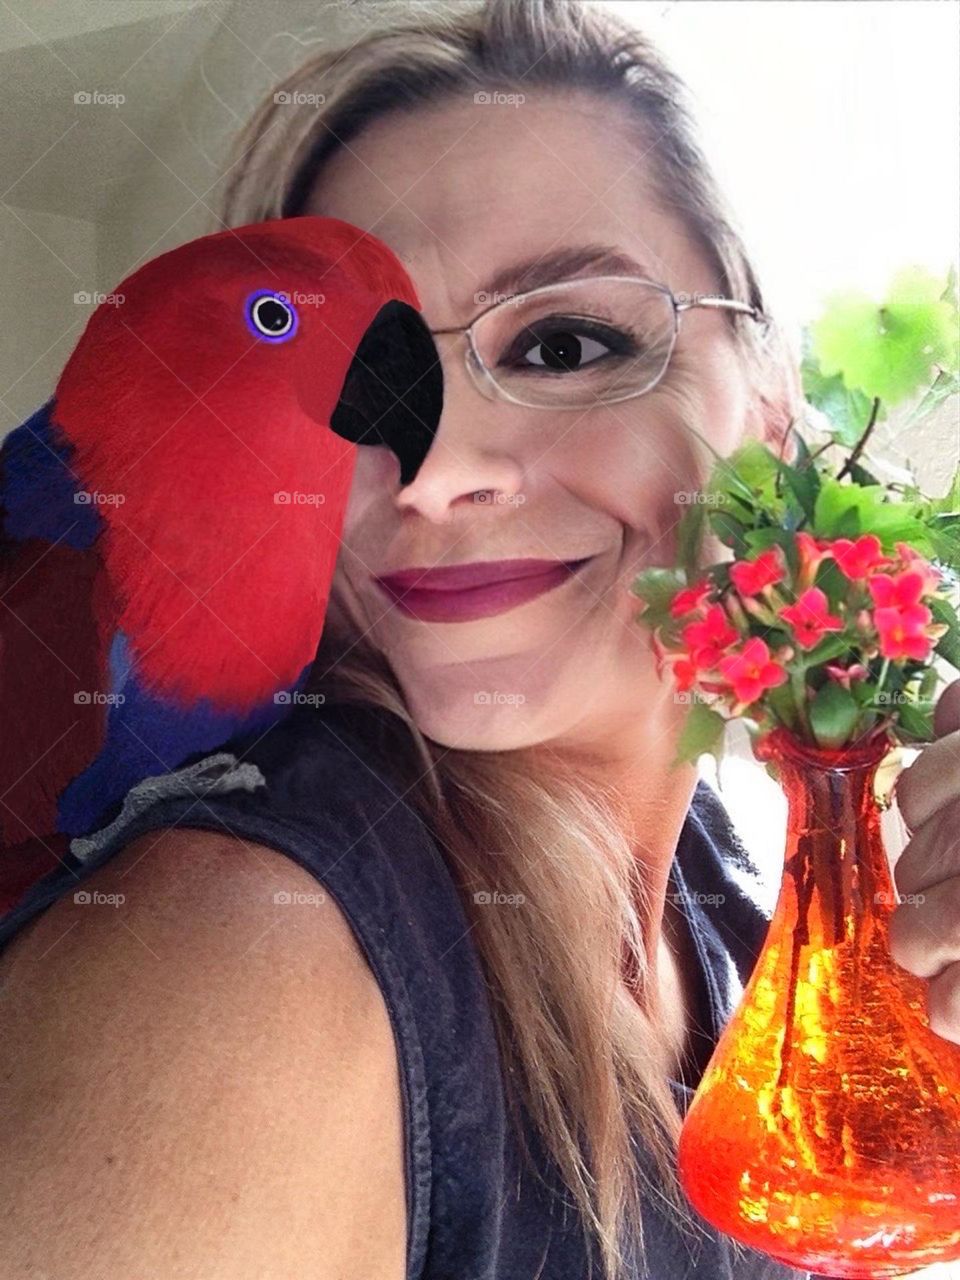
487 385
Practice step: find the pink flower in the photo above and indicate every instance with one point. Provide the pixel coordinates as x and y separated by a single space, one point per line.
684 673
902 631
690 598
843 675
706 640
897 591
811 552
912 559
857 559
809 618
752 671
751 576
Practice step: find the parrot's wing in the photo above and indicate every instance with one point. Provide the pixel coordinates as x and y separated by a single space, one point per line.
148 735
54 628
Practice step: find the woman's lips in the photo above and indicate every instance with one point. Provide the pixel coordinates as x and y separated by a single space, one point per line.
507 583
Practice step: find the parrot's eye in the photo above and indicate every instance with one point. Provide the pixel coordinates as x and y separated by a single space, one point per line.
271 316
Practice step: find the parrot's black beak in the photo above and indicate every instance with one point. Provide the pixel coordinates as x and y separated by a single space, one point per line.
393 391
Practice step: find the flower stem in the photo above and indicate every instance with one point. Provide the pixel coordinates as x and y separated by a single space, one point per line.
883 675
798 684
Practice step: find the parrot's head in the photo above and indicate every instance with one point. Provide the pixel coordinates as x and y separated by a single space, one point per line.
290 333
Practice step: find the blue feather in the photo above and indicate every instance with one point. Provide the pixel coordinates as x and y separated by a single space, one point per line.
146 737
40 495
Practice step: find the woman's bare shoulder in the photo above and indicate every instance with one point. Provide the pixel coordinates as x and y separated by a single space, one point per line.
200 1077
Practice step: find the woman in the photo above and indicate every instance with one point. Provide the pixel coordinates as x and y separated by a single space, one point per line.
457 1061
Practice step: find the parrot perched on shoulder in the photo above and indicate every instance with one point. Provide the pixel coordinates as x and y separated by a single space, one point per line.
170 519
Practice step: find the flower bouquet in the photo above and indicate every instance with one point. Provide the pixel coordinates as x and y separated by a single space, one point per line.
826 1128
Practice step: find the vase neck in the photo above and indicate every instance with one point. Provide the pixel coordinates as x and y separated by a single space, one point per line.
835 860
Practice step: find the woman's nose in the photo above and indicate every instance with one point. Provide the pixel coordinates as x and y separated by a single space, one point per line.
472 458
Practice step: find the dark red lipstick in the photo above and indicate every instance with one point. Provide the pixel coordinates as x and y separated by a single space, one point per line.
478 589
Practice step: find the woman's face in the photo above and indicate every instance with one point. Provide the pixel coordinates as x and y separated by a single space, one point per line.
461 192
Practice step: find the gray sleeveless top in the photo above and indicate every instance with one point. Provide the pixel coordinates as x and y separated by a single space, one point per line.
316 790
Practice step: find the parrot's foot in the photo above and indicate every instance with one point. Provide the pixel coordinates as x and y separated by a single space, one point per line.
214 774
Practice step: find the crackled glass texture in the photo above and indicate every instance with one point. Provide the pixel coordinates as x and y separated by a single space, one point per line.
826 1127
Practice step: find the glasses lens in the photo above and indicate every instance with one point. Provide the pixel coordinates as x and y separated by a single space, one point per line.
579 343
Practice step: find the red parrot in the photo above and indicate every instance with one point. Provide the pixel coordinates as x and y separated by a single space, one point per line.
170 519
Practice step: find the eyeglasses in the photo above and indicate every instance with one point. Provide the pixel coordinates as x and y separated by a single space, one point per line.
598 339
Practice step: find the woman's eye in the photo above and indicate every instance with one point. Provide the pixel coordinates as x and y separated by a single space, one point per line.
564 349
271 316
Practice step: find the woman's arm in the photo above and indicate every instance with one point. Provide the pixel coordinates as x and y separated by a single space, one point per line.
200 1081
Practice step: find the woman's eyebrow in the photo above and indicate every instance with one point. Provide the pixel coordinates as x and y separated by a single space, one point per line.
565 264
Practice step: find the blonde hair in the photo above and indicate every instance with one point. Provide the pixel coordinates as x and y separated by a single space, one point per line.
578 1045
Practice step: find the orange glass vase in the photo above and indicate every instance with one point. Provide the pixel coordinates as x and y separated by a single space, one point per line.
825 1130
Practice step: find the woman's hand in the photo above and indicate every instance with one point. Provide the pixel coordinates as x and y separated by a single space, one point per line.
925 927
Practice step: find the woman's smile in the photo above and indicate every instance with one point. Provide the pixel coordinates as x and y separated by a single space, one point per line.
497 588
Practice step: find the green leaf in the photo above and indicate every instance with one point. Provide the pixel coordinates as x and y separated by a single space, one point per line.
759 540
915 721
830 647
657 586
847 510
944 386
729 531
948 646
888 349
847 411
928 683
702 731
690 538
780 700
833 714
